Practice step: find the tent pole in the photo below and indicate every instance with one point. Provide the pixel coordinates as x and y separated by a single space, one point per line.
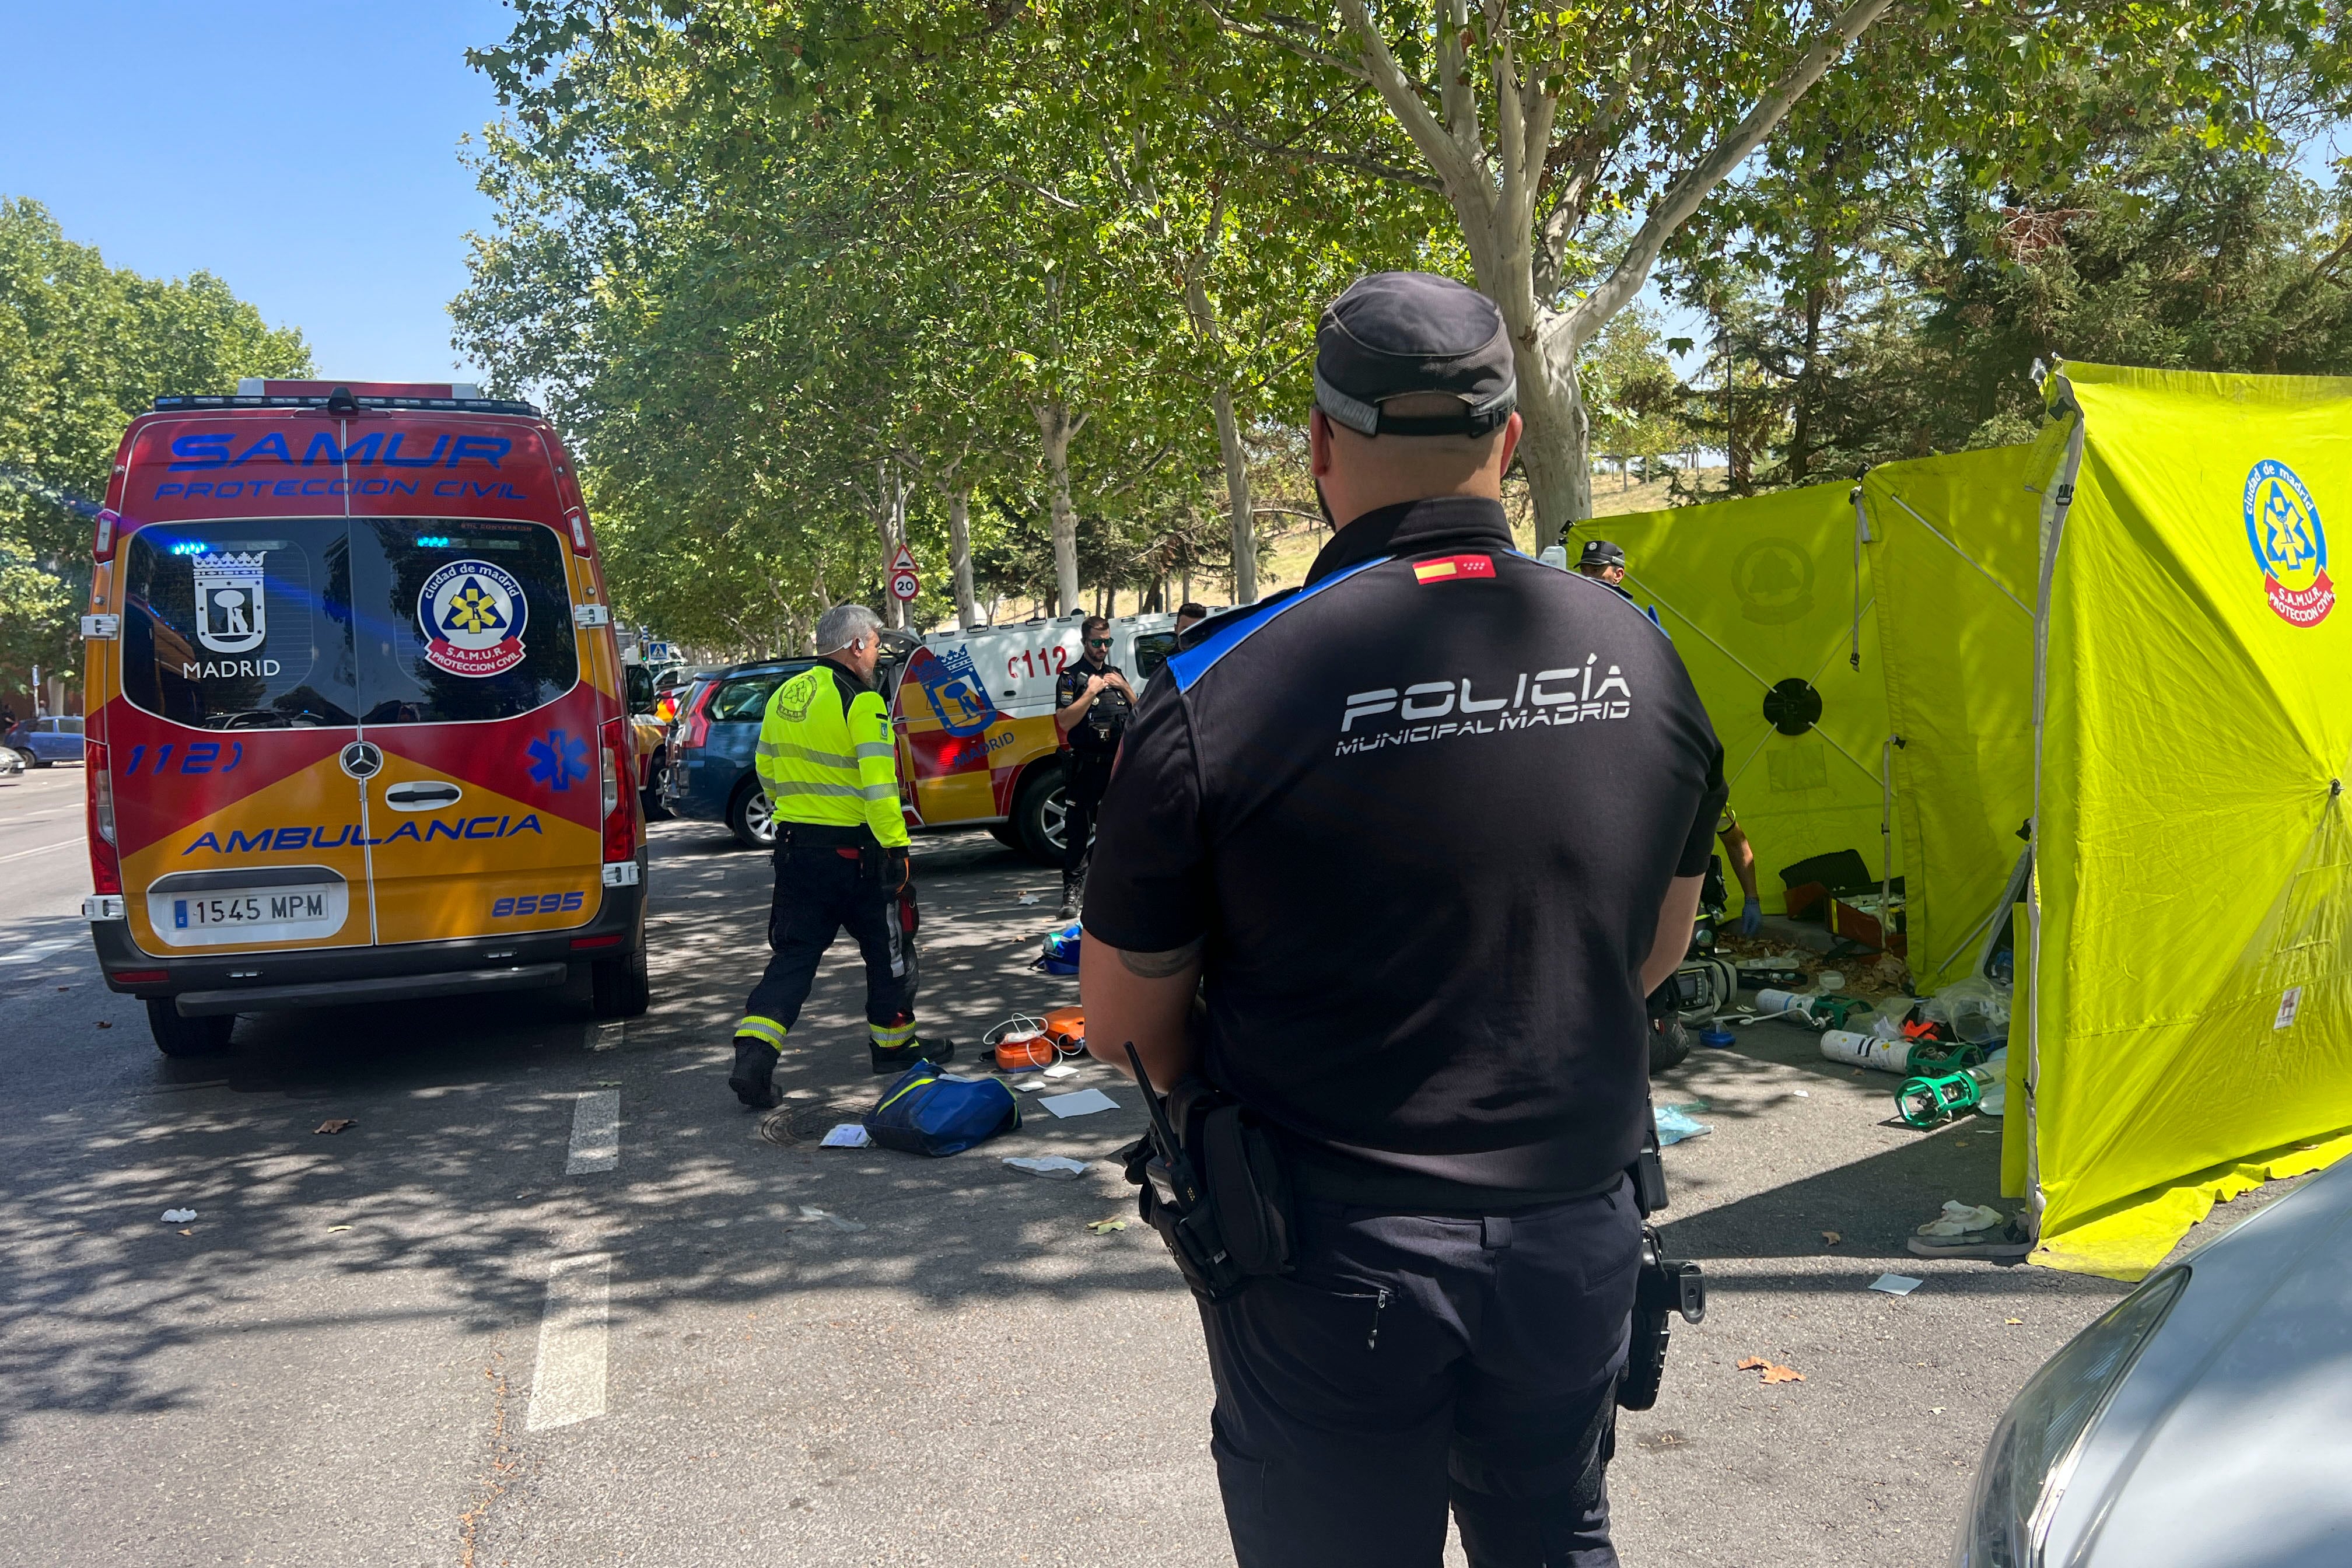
1963 554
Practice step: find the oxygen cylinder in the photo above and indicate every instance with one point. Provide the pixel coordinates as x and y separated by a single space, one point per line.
1905 1057
1861 1051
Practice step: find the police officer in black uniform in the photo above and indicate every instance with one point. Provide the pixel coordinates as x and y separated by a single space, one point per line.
1092 704
1430 828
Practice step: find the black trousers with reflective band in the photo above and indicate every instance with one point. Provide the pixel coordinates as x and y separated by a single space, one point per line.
818 892
1411 1364
1086 775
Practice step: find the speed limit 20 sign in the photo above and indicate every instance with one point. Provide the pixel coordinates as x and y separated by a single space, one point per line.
905 586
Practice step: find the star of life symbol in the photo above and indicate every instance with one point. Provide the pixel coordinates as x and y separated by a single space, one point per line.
231 614
472 615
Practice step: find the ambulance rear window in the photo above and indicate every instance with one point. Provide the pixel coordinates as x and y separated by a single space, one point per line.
460 620
239 626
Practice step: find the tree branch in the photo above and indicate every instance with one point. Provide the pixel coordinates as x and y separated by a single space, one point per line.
1455 170
1280 40
1360 163
1682 198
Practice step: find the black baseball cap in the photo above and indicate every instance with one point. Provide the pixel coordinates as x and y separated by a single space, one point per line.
1601 552
1393 335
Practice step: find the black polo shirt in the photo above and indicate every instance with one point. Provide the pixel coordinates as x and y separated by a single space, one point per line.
1424 811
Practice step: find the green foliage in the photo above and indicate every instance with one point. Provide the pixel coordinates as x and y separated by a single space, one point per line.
84 347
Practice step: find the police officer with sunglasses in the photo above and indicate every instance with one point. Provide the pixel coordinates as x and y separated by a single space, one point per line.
1092 703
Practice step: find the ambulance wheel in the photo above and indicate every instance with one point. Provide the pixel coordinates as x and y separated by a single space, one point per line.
1037 815
619 987
178 1037
750 818
1669 1044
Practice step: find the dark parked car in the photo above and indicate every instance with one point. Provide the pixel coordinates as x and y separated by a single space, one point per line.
48 741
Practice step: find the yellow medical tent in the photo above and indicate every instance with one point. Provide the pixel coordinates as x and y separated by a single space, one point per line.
2125 631
2192 1009
1765 593
1952 546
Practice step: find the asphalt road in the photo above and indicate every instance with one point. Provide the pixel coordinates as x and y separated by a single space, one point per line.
556 1300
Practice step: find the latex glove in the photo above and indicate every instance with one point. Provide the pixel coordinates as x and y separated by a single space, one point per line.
1751 918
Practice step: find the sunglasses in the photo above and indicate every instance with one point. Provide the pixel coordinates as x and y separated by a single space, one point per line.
1098 642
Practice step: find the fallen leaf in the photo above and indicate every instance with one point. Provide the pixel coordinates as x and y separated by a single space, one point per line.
336 1124
187 1233
1105 1227
2013 1321
1772 1373
104 1024
332 1228
1750 1363
1830 1238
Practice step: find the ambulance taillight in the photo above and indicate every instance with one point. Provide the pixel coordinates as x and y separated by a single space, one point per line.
105 864
620 801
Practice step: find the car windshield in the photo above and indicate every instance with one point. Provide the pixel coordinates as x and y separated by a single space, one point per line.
309 621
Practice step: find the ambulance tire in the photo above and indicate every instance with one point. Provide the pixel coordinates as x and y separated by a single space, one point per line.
179 1037
1037 814
748 817
619 987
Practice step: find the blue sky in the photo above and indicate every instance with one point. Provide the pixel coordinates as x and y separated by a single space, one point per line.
305 153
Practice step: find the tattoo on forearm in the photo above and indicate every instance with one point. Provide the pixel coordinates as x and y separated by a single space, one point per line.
1161 965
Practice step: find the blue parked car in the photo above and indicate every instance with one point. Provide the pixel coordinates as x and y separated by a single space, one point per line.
48 741
707 776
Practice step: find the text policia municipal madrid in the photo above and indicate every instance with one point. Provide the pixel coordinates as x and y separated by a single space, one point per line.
1569 695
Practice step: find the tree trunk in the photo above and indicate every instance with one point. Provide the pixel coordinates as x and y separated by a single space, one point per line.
959 551
1237 497
1554 447
1053 425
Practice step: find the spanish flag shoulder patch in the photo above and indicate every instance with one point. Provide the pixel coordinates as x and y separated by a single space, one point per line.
1453 568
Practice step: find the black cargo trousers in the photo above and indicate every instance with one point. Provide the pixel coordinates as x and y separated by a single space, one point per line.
1410 1362
821 890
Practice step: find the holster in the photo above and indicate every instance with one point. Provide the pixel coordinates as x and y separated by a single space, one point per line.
1221 1199
1664 1287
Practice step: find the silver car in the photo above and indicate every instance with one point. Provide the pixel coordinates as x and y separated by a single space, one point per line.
2205 1419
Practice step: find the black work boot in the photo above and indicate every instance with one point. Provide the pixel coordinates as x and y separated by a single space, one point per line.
753 1080
899 1058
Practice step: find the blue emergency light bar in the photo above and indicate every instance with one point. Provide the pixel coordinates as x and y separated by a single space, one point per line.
456 405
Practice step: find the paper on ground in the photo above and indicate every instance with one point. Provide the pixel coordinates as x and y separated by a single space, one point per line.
1085 1103
847 1135
1896 1284
1054 1166
1061 1069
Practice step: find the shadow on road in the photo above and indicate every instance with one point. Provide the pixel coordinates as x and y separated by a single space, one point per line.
455 1167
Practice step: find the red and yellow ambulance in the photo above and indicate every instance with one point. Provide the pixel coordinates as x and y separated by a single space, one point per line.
356 730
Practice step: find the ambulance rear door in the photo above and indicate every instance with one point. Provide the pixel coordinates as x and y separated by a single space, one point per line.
476 684
232 734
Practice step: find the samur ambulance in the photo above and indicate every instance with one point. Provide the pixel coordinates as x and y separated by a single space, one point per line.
356 726
975 714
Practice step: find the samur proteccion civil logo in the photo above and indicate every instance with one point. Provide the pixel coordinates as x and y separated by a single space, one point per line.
472 613
2290 545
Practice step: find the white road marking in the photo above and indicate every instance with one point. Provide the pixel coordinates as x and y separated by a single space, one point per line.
32 950
568 1383
44 849
596 1132
604 1036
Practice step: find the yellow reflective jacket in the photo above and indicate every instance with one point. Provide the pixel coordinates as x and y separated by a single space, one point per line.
826 757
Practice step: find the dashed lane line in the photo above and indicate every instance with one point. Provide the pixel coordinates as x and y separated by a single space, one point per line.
33 950
39 849
596 1133
567 1385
